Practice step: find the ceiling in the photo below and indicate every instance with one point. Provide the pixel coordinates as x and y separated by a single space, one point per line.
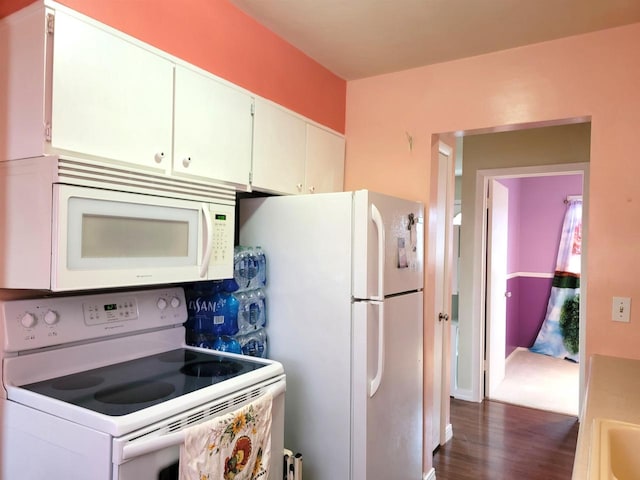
362 38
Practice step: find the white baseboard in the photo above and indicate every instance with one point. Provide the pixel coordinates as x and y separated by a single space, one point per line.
448 433
430 475
461 394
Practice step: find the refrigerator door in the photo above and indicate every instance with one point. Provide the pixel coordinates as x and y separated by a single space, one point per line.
388 231
387 417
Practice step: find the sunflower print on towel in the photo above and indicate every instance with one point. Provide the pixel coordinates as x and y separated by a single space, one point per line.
235 446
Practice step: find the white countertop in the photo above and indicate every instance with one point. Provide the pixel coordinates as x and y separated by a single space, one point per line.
613 392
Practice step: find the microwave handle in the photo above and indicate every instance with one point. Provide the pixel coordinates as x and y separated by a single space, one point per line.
207 252
155 444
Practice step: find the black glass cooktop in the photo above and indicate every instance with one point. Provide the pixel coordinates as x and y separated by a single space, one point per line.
127 387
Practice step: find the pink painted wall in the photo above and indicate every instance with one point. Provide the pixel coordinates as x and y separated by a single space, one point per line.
594 75
216 36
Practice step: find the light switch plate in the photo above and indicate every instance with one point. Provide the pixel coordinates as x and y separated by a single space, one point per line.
621 309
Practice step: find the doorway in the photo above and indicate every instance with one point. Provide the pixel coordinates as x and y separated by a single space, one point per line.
525 217
547 150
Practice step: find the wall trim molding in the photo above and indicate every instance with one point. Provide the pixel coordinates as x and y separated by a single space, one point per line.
430 475
529 274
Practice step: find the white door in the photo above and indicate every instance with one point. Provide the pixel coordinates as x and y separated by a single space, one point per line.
497 244
387 423
279 144
388 231
212 129
441 249
324 167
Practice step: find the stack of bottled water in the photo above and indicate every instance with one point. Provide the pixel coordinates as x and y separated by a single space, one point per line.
230 315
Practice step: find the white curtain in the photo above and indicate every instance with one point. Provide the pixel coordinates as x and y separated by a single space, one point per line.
558 334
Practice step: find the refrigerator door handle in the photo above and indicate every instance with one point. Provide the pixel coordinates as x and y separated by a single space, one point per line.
376 217
374 385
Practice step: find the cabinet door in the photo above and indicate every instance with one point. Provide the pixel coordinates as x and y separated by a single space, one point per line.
324 170
110 98
278 149
212 129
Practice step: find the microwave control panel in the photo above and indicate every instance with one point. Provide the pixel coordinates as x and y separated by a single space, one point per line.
222 238
223 231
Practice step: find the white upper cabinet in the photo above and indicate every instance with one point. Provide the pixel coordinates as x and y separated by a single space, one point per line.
73 87
278 149
213 128
110 98
324 171
293 156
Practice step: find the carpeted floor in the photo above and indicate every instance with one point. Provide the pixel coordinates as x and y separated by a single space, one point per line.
539 381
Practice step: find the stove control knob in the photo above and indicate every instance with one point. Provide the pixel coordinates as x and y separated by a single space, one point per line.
175 302
28 320
162 303
51 317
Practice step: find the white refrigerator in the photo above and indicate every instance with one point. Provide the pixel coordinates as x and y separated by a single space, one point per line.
345 317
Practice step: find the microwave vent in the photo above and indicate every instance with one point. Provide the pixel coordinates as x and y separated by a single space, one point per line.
112 177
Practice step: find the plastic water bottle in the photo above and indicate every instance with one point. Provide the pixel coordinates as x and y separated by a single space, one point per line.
260 280
200 299
254 343
229 285
225 343
251 310
240 268
225 314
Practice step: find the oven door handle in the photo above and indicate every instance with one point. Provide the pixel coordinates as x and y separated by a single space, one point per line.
142 447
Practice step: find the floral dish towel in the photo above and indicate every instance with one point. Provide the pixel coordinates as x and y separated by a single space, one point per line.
235 446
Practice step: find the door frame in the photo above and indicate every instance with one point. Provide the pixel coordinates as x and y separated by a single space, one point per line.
478 320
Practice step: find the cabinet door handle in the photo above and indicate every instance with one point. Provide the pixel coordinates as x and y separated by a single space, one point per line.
299 187
158 157
312 189
186 161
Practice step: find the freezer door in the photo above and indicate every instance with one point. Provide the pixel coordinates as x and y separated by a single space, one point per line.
388 231
387 416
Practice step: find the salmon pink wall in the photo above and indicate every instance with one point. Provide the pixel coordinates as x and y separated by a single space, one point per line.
216 36
594 76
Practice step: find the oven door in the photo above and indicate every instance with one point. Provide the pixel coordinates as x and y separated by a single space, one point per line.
105 238
153 453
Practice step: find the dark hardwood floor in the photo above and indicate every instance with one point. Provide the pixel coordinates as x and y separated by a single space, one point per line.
497 441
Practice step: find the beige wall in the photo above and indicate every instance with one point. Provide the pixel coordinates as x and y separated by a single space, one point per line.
592 76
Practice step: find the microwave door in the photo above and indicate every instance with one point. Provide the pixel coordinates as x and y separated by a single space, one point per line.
111 239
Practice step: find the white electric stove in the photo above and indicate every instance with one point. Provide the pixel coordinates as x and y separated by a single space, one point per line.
102 386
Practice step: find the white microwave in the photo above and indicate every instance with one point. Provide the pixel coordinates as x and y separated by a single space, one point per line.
79 224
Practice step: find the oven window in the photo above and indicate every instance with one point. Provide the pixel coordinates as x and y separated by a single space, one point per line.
105 236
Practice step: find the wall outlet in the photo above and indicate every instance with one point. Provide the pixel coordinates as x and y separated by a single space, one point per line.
621 309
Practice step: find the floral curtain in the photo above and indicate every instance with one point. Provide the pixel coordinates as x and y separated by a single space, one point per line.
558 335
